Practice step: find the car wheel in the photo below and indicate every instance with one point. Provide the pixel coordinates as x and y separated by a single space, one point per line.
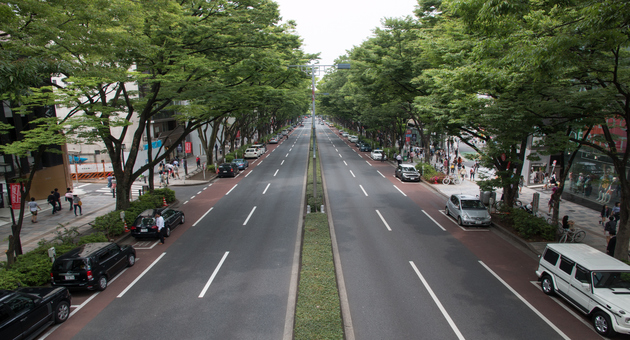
102 282
546 284
168 232
131 260
183 219
62 311
446 211
602 325
459 220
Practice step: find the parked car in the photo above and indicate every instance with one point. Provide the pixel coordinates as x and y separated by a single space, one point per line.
229 169
284 132
261 148
241 163
91 265
273 140
365 147
468 210
353 139
27 312
250 153
595 283
407 172
344 134
144 225
376 154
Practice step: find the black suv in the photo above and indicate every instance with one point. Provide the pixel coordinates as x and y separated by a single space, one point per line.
144 225
228 169
91 265
26 312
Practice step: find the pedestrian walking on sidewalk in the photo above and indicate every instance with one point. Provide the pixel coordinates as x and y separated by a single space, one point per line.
605 214
159 223
610 228
472 174
411 155
114 188
69 196
616 211
610 249
77 204
52 201
57 199
33 207
198 160
399 159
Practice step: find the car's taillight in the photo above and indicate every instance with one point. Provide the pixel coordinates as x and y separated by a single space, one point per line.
89 275
133 227
154 227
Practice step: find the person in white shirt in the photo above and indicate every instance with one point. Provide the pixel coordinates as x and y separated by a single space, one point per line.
33 206
159 222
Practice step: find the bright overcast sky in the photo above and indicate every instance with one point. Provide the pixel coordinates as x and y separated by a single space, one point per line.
334 26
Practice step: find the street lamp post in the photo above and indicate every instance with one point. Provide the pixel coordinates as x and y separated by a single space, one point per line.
313 68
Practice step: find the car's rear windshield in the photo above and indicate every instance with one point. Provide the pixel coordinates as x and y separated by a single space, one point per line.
70 265
147 222
472 204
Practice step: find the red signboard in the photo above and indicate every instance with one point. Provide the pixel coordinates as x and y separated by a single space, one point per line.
15 195
188 147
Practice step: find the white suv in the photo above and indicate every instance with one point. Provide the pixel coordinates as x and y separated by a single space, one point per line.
260 148
595 283
251 153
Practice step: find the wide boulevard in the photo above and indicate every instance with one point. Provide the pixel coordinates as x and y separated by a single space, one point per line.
409 271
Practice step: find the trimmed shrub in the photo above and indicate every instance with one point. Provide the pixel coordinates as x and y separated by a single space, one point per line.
530 227
211 168
110 224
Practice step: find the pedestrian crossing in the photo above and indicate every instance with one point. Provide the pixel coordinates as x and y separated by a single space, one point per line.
135 190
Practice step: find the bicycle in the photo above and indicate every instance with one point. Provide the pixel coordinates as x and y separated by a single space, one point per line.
571 235
451 179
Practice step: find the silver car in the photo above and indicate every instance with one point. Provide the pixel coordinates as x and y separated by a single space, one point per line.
468 210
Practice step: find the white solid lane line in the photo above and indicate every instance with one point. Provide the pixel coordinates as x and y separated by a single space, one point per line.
400 191
434 221
214 274
381 174
382 219
204 215
363 189
249 216
141 275
352 173
266 188
437 302
274 175
564 336
231 190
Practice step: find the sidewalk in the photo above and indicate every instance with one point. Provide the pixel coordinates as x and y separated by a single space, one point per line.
94 205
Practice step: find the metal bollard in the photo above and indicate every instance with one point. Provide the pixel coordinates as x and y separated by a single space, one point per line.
308 209
322 209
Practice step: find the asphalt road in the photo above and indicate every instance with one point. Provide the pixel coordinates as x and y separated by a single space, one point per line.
406 275
224 274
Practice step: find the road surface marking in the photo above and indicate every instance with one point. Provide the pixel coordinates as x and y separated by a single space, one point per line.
400 191
352 173
214 274
344 162
290 149
249 216
199 192
336 149
363 189
564 336
204 215
275 173
258 165
381 174
191 197
287 155
185 202
231 189
250 171
382 219
437 302
205 188
368 163
140 276
434 221
266 188
340 156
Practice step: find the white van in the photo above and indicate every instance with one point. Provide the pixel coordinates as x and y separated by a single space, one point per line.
595 283
260 148
251 153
